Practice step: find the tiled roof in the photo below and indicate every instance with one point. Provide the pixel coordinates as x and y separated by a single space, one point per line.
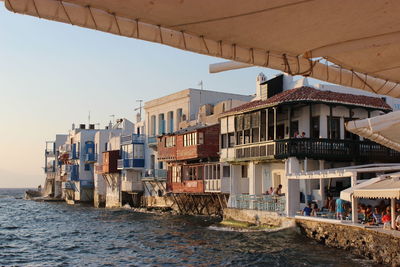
309 94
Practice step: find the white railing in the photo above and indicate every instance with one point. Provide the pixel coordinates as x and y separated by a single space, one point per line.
259 202
212 185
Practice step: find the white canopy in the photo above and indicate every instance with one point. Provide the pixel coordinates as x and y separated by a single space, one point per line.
387 188
384 129
347 193
361 37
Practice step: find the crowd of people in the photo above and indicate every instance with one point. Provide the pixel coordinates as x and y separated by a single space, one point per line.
378 215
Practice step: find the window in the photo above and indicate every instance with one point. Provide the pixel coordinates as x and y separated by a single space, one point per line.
255 135
244 171
170 141
247 136
224 141
335 127
349 135
138 151
127 151
190 139
315 127
226 171
176 174
153 125
87 167
239 136
231 139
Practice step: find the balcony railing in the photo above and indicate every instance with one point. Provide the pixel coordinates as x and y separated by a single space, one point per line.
154 173
152 140
98 168
259 202
327 149
132 139
91 157
50 169
49 153
130 163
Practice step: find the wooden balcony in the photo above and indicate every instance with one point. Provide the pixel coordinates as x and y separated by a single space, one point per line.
319 149
195 186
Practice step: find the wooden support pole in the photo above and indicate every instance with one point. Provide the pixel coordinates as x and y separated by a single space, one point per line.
266 123
290 121
330 122
310 125
275 117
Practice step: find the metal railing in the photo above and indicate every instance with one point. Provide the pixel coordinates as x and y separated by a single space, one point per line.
130 163
133 138
91 157
155 173
318 148
152 140
259 202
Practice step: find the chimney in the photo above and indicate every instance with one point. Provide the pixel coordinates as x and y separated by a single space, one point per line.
91 126
82 126
261 78
73 126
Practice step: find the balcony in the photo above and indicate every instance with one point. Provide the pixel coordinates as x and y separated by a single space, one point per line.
152 141
90 158
130 163
319 149
132 139
157 174
50 169
73 173
49 153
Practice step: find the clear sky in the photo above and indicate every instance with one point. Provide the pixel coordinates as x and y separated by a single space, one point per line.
53 74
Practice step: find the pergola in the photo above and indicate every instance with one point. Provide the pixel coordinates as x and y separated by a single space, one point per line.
351 43
351 172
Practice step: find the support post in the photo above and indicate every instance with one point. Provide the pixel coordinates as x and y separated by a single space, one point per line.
275 123
330 122
354 209
310 133
266 123
393 212
290 121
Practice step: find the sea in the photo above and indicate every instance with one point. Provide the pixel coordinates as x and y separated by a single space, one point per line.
57 234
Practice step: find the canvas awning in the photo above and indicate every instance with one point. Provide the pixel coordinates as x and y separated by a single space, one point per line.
348 193
387 188
382 129
360 37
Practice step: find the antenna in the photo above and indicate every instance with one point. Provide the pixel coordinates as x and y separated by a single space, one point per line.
201 84
113 117
140 107
89 118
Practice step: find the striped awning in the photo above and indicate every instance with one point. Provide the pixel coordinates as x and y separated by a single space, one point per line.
360 39
387 188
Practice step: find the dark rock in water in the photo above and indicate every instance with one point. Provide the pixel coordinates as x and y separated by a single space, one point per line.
32 194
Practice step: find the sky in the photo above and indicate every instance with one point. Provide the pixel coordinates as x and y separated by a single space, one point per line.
53 74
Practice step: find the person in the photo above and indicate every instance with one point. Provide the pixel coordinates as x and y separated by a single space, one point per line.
339 209
397 222
307 210
271 190
277 191
368 219
386 218
377 216
296 134
315 209
330 204
303 135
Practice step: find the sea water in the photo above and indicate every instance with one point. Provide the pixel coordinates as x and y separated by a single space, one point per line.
57 234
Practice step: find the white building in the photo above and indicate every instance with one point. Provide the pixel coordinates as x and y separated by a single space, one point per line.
258 141
174 112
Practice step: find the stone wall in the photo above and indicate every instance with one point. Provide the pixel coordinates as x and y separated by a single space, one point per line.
374 244
257 217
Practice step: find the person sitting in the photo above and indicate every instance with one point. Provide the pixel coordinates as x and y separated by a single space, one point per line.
296 134
307 210
377 216
271 190
330 204
368 219
397 222
386 218
303 135
315 209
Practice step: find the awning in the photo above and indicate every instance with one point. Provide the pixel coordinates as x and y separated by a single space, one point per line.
347 193
387 188
382 129
360 37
